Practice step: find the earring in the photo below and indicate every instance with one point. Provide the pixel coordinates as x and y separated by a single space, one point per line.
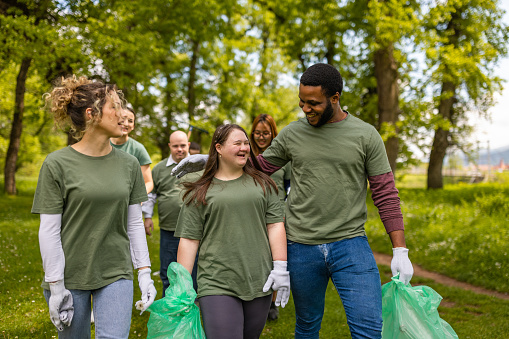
220 155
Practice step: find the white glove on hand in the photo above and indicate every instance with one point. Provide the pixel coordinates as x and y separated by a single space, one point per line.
401 264
61 309
279 280
148 291
192 163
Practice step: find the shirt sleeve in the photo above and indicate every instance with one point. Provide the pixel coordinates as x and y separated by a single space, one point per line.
148 207
376 158
190 223
277 153
144 157
138 189
48 196
137 239
50 244
274 208
386 199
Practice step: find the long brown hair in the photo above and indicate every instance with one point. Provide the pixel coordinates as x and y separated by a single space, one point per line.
198 190
273 130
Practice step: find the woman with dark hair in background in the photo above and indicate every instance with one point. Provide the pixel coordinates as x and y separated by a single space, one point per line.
89 199
263 131
232 214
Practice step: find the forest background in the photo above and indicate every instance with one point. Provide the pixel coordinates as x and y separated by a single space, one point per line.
421 71
418 70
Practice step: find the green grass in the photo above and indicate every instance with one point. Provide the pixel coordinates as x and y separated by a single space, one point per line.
460 231
431 217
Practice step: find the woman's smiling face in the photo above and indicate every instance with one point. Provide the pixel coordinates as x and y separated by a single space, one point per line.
236 149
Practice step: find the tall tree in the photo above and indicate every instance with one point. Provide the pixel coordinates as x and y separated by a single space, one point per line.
30 34
467 37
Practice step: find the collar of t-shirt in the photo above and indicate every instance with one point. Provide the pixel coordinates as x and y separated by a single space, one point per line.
171 161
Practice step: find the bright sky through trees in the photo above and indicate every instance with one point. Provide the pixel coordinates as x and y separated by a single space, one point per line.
496 130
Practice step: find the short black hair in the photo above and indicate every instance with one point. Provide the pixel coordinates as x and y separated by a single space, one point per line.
324 75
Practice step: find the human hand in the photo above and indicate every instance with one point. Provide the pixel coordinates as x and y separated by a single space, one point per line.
149 226
61 309
192 163
279 280
148 291
401 264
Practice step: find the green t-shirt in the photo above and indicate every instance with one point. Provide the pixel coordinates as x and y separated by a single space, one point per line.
234 254
330 166
279 178
135 148
93 195
169 196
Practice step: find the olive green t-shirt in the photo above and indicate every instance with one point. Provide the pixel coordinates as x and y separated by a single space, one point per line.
279 178
93 195
234 255
136 149
169 196
330 166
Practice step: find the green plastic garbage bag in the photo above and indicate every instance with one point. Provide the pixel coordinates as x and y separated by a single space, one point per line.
176 315
411 312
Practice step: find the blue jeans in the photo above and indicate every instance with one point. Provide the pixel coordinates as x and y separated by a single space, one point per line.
113 306
351 266
168 247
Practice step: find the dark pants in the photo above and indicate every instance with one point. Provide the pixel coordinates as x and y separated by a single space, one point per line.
169 245
227 317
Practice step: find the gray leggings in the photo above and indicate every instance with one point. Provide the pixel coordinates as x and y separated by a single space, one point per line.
226 317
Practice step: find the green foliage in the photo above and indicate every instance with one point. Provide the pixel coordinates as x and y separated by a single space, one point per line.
460 231
207 63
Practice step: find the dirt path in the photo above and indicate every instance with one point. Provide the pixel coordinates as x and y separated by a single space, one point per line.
385 259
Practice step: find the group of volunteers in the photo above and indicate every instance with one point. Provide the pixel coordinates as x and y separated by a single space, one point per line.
246 237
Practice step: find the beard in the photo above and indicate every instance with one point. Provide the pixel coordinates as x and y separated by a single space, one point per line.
327 114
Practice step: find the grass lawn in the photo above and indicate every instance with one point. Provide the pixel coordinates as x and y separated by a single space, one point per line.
24 314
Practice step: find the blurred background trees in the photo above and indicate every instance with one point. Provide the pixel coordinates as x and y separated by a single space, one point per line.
415 69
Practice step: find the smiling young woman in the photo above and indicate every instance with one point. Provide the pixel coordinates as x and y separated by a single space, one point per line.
233 219
85 192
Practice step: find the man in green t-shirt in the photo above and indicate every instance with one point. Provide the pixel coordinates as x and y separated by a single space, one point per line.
333 155
167 193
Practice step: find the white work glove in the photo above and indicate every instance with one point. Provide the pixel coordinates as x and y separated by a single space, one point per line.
279 280
192 163
401 264
61 309
148 291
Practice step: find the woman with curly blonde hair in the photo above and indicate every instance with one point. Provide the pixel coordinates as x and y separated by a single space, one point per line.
89 199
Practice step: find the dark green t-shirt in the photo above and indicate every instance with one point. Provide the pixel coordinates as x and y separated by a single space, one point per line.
168 192
234 253
279 178
93 195
136 149
330 166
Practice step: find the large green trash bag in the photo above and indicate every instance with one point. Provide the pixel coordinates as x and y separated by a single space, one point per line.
176 315
411 312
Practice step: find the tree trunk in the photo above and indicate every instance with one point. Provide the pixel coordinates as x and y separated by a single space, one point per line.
386 73
445 110
191 95
17 126
441 139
